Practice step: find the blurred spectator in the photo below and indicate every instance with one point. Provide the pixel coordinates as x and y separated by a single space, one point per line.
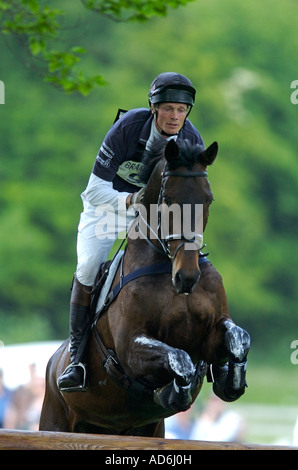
24 410
5 398
217 423
179 426
295 434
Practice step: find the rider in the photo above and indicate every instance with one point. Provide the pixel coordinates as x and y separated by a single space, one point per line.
114 181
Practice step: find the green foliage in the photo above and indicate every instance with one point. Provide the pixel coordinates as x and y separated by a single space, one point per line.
37 25
241 58
133 10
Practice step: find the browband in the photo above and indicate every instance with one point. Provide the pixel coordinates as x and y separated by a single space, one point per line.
185 174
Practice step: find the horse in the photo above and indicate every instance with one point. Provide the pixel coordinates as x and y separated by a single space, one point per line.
168 325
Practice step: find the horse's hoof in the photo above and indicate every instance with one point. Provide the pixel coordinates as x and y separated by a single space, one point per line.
181 367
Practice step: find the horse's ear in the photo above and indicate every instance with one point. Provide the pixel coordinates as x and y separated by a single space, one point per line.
171 151
209 155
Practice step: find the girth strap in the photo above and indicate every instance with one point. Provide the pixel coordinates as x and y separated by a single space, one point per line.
116 372
137 389
111 363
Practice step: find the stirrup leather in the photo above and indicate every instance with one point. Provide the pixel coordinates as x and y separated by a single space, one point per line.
77 388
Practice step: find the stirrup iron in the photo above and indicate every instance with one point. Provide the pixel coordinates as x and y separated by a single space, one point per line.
78 388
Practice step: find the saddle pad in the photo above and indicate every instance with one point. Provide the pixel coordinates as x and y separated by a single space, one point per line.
107 285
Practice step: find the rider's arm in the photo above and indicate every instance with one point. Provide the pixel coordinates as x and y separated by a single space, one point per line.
100 191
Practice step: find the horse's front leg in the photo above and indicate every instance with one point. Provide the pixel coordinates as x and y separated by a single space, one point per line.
153 358
229 381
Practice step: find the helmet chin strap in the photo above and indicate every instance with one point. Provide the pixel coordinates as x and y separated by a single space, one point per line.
167 135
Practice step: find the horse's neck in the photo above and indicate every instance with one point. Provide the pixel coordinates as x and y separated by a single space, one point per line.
146 224
141 253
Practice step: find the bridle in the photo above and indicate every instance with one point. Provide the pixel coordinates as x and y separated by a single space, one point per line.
165 247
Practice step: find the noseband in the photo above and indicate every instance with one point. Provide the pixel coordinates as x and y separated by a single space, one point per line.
165 242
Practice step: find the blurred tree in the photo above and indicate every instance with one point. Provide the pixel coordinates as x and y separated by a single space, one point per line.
37 25
238 55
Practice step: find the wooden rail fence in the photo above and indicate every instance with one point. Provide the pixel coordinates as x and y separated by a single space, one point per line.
46 440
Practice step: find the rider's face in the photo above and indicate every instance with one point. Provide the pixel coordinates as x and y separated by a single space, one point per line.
170 117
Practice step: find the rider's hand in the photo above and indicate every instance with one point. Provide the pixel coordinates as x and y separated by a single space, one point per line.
136 198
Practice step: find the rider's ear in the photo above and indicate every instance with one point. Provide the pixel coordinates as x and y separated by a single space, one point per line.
171 151
209 155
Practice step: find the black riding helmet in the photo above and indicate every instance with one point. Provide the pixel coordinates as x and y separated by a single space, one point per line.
171 87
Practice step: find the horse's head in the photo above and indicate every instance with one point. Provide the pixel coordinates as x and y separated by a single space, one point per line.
184 200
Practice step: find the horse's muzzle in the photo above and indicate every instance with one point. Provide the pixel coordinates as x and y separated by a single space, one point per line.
185 283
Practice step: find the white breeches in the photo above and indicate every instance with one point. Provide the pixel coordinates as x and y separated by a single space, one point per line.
98 229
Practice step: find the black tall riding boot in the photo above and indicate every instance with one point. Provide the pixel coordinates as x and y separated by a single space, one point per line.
73 379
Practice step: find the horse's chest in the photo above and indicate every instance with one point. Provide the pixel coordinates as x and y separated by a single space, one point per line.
181 320
155 307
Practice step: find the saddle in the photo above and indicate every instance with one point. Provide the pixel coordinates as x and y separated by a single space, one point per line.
99 282
101 292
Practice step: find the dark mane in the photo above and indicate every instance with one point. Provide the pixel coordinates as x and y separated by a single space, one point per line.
150 159
189 154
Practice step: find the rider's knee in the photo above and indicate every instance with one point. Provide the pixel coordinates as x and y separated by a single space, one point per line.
86 270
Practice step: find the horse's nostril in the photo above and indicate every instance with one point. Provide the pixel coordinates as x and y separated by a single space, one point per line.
178 283
185 284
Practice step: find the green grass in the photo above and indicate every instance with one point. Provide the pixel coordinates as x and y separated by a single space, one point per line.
267 385
269 407
272 385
